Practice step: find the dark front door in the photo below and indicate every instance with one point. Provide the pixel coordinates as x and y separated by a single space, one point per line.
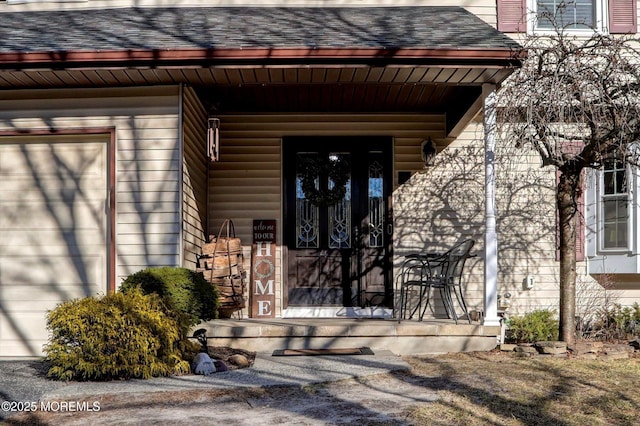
337 221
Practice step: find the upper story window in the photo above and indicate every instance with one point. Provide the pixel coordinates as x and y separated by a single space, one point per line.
580 16
44 1
568 15
614 207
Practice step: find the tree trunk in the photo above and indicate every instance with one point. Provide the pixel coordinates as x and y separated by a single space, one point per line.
568 185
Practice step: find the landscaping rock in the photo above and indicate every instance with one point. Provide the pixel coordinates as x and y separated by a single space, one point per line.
508 347
239 360
615 355
618 348
551 348
527 349
621 347
203 364
220 366
582 348
587 355
224 353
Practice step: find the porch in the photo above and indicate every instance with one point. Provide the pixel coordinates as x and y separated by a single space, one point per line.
407 74
402 338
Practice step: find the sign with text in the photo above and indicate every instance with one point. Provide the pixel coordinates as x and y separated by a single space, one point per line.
263 269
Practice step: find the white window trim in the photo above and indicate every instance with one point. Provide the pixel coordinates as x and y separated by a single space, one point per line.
602 20
631 181
44 1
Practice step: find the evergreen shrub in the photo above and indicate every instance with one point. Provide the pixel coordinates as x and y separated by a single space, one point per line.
535 326
185 292
119 336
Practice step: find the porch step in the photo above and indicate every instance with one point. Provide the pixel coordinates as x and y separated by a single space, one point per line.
405 338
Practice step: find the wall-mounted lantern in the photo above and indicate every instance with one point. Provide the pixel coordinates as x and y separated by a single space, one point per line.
213 139
429 151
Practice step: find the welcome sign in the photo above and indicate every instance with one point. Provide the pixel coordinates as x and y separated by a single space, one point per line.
263 269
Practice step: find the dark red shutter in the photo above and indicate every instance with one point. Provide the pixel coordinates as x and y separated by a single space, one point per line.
580 223
622 16
511 16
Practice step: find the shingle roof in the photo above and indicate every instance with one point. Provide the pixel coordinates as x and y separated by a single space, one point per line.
256 27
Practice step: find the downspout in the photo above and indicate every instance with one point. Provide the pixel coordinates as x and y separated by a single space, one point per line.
181 257
491 236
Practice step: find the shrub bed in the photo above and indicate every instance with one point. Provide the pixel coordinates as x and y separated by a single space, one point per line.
539 325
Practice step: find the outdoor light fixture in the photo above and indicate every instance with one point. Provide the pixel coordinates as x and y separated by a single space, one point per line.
428 152
213 139
504 301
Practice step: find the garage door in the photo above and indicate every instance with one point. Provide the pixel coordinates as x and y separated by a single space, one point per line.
53 232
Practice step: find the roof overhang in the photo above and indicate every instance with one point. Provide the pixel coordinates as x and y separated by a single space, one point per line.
396 59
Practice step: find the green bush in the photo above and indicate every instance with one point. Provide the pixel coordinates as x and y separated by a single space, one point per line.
184 292
118 336
539 325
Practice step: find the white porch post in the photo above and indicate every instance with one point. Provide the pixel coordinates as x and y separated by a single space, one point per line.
491 236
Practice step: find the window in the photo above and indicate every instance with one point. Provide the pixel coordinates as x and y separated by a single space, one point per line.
568 14
44 1
614 214
613 16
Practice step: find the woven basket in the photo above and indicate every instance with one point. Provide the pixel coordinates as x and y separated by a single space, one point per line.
222 245
220 261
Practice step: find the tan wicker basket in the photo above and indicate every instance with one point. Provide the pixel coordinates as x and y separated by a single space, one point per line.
221 263
222 245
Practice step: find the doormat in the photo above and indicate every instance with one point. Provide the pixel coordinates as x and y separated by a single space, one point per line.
311 352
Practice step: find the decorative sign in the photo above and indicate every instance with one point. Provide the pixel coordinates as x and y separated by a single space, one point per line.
263 269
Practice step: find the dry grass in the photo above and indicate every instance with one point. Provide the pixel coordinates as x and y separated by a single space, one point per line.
499 389
454 389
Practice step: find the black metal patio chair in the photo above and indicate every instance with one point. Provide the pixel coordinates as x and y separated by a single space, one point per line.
426 271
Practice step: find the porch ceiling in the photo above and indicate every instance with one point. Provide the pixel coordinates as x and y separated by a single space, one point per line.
368 59
349 89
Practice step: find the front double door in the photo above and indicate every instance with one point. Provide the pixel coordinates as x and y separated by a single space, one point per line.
338 221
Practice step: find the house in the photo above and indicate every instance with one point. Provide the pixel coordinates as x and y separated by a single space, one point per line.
130 131
608 235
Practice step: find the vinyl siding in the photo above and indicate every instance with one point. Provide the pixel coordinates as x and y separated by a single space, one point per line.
148 164
247 183
441 205
452 197
194 177
445 203
53 231
525 204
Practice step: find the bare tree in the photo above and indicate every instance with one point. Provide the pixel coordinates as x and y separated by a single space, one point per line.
576 102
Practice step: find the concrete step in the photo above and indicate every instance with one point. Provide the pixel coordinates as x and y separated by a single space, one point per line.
402 338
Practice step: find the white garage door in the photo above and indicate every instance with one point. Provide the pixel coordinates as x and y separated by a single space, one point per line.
53 232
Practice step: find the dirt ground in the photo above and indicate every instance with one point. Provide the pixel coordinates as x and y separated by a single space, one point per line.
465 383
380 399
